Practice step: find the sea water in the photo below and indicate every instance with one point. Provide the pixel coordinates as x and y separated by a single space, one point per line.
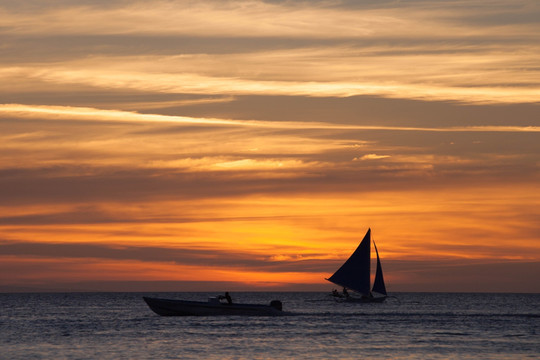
410 326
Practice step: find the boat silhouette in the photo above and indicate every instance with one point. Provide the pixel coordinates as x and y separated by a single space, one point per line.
355 274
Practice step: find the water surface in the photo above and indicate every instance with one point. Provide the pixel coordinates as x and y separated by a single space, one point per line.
417 326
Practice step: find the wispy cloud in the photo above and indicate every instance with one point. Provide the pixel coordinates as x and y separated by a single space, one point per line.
391 80
435 52
372 157
92 114
258 18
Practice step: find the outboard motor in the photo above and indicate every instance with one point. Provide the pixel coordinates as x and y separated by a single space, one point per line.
276 304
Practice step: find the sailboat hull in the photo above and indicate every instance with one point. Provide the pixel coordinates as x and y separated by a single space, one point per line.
363 300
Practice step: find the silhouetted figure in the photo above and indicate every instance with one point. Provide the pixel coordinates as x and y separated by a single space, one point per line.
276 304
226 297
345 292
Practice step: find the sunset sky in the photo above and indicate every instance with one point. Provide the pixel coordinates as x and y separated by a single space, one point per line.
249 145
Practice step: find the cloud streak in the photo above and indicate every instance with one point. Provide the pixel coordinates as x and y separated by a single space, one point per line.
91 114
401 85
258 18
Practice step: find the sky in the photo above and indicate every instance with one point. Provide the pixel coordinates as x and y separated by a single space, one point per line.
249 145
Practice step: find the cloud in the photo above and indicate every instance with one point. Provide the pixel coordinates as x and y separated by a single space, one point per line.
44 112
259 18
431 52
470 275
372 157
464 276
401 85
66 152
184 256
245 18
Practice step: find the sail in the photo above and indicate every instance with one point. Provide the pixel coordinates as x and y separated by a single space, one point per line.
378 284
354 274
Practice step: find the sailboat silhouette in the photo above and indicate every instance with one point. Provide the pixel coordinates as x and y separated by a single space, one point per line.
355 274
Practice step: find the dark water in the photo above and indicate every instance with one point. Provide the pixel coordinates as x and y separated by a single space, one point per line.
418 326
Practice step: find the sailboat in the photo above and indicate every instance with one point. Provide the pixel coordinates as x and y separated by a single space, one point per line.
355 274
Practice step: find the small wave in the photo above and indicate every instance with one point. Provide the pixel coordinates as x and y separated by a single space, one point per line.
514 335
452 333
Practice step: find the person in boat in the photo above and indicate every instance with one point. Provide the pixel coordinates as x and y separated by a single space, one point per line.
345 292
335 293
226 297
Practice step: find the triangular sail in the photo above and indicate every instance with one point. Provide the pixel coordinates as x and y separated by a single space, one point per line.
378 284
354 274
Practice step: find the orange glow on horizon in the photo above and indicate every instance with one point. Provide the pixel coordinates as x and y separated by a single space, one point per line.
278 231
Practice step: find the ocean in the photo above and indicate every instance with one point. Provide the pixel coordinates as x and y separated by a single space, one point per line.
413 326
